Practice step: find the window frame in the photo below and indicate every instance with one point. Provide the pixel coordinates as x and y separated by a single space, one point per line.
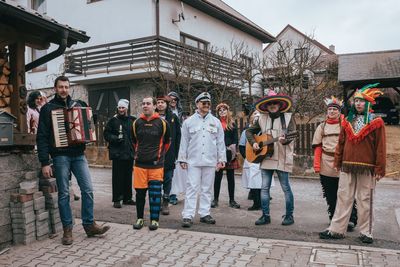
33 50
184 36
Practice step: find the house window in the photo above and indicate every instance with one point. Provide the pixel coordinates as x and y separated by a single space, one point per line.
299 54
280 56
39 6
193 41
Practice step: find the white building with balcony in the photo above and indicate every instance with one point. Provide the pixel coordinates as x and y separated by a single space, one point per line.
134 40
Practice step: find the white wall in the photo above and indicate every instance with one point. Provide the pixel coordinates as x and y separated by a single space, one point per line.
202 26
109 21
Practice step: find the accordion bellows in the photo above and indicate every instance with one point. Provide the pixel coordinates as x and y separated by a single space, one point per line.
73 126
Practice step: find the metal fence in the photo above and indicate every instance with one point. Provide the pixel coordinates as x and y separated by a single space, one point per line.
302 145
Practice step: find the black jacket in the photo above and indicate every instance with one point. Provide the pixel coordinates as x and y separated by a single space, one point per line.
45 136
119 148
231 137
175 130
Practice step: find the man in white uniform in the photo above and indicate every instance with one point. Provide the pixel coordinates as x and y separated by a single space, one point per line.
202 151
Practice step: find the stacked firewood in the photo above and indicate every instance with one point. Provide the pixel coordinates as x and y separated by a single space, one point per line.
5 87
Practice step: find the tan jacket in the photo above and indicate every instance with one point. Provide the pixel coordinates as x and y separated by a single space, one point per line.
282 159
327 136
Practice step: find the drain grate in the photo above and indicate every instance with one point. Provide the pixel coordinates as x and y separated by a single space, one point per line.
336 256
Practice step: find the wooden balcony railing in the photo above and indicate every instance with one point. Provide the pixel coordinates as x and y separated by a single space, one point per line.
144 54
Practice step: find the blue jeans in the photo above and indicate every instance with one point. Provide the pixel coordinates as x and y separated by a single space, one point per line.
167 183
63 166
266 185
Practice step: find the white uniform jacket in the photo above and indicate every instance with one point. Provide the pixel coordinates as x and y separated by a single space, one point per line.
202 141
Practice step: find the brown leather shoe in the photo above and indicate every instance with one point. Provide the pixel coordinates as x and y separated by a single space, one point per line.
95 229
67 236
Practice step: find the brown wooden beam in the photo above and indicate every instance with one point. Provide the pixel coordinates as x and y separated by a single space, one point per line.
17 79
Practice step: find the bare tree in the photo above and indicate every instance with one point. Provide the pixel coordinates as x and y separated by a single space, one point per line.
303 72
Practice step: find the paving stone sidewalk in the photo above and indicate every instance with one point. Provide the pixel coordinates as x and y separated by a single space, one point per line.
123 246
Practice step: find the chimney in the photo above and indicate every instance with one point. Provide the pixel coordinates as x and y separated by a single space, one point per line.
332 48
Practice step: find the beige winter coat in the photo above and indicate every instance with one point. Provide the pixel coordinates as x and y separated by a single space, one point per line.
282 159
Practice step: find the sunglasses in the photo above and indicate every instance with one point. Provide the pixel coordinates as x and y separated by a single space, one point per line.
205 103
173 99
273 103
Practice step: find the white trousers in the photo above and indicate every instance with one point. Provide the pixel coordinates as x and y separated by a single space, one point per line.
198 179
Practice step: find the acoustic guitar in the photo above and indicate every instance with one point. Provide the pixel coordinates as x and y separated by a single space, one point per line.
266 144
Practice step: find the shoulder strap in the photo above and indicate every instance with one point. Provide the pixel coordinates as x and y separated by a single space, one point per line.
134 129
283 122
164 125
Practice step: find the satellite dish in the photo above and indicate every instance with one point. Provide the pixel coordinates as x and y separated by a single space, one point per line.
182 15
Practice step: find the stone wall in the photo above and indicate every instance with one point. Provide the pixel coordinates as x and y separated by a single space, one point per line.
14 169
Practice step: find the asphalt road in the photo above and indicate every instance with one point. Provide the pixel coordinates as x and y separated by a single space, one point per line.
310 212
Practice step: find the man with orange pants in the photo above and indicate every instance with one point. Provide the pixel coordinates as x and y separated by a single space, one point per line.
151 138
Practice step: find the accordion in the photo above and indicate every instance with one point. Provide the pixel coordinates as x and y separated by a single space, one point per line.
73 126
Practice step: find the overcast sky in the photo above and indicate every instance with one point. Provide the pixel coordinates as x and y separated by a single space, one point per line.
350 25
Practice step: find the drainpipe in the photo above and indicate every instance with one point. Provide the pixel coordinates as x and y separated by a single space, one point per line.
46 58
158 32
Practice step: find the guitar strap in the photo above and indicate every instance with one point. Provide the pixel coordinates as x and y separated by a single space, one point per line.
283 123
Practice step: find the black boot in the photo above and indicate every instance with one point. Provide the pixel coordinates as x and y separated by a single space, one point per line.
165 208
264 219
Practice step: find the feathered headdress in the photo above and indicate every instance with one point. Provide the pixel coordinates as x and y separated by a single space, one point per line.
333 102
369 93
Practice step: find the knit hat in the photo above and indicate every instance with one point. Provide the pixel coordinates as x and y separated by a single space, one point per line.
123 103
333 102
174 94
165 98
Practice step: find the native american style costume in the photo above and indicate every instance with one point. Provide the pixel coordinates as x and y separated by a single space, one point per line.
325 140
360 155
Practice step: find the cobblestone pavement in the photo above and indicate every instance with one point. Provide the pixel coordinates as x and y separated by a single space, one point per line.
123 246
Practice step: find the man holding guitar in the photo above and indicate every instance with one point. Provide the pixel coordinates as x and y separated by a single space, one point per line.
277 132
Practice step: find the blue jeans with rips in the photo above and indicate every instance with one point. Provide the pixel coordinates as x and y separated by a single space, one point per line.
266 185
78 165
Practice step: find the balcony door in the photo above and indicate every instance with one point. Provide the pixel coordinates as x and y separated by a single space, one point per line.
104 102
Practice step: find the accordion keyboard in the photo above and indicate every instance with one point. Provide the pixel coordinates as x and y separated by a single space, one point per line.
59 129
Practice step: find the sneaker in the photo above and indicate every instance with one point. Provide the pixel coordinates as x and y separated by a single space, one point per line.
129 202
350 227
366 239
186 222
139 224
264 219
214 203
234 204
173 200
330 235
117 205
153 225
207 219
94 229
287 220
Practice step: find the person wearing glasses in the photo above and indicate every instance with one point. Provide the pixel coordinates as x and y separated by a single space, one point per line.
202 152
175 104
